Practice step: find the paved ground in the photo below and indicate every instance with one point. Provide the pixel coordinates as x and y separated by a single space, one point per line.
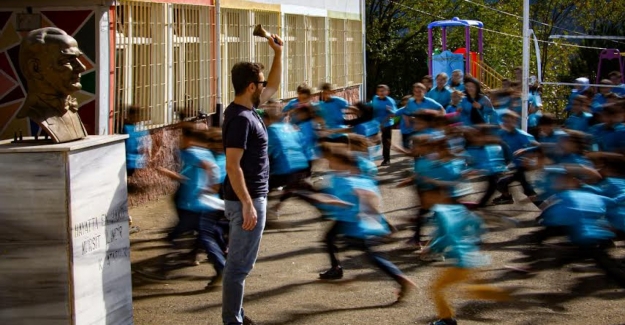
283 288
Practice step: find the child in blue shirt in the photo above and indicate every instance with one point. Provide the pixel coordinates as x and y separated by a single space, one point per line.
579 119
578 90
455 83
362 222
457 235
303 98
514 140
287 157
441 93
601 98
454 105
200 176
384 109
138 143
417 103
476 107
331 108
610 135
436 171
616 78
486 157
576 212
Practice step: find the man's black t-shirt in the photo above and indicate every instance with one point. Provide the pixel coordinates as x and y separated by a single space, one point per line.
243 128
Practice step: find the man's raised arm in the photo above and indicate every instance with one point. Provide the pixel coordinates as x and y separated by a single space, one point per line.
275 74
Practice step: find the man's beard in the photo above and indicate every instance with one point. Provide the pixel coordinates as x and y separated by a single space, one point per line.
256 98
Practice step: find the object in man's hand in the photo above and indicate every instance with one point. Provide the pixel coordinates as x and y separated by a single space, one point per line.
261 32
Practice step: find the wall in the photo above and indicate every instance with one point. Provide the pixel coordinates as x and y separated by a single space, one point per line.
81 24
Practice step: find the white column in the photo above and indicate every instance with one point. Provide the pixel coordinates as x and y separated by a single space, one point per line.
103 85
526 63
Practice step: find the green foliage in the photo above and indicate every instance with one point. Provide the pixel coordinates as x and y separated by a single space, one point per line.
397 38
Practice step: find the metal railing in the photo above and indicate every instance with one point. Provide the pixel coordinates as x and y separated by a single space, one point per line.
164 63
238 44
489 77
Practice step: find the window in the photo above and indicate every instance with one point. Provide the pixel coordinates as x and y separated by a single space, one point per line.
338 55
164 62
194 86
355 52
238 44
316 46
296 55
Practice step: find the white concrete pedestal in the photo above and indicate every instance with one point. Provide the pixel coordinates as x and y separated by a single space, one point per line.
64 245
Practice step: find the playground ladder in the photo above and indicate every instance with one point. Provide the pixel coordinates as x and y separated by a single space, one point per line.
489 77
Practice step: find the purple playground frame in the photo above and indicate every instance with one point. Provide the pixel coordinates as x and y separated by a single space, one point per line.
457 22
611 54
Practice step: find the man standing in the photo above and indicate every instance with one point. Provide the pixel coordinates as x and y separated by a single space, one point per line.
247 167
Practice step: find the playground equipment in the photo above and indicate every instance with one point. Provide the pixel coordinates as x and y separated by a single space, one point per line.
611 54
462 58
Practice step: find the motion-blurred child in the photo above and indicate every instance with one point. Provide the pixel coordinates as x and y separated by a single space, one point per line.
457 235
197 202
362 223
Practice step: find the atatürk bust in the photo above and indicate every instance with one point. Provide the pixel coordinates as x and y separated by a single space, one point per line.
49 62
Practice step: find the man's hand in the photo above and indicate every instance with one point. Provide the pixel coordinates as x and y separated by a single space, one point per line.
276 43
249 217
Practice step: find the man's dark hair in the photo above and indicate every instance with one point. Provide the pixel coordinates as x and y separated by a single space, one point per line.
428 78
245 73
303 89
326 86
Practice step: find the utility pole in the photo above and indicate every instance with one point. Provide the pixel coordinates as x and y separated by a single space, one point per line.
526 64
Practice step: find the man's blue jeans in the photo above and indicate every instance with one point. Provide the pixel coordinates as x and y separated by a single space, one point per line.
242 252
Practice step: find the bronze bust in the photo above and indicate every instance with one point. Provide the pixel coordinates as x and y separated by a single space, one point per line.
49 62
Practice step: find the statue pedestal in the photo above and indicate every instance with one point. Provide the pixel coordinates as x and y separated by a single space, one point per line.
64 245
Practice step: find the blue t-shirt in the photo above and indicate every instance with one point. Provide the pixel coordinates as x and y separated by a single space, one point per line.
597 103
515 140
308 138
614 188
412 107
489 158
582 213
196 178
619 91
578 122
286 153
383 109
459 87
220 160
452 108
441 96
332 112
608 139
488 113
292 104
355 221
244 129
136 144
457 234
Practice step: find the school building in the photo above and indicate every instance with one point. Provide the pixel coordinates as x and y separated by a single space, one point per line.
173 56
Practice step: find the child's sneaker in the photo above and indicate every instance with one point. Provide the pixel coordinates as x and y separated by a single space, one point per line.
332 274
